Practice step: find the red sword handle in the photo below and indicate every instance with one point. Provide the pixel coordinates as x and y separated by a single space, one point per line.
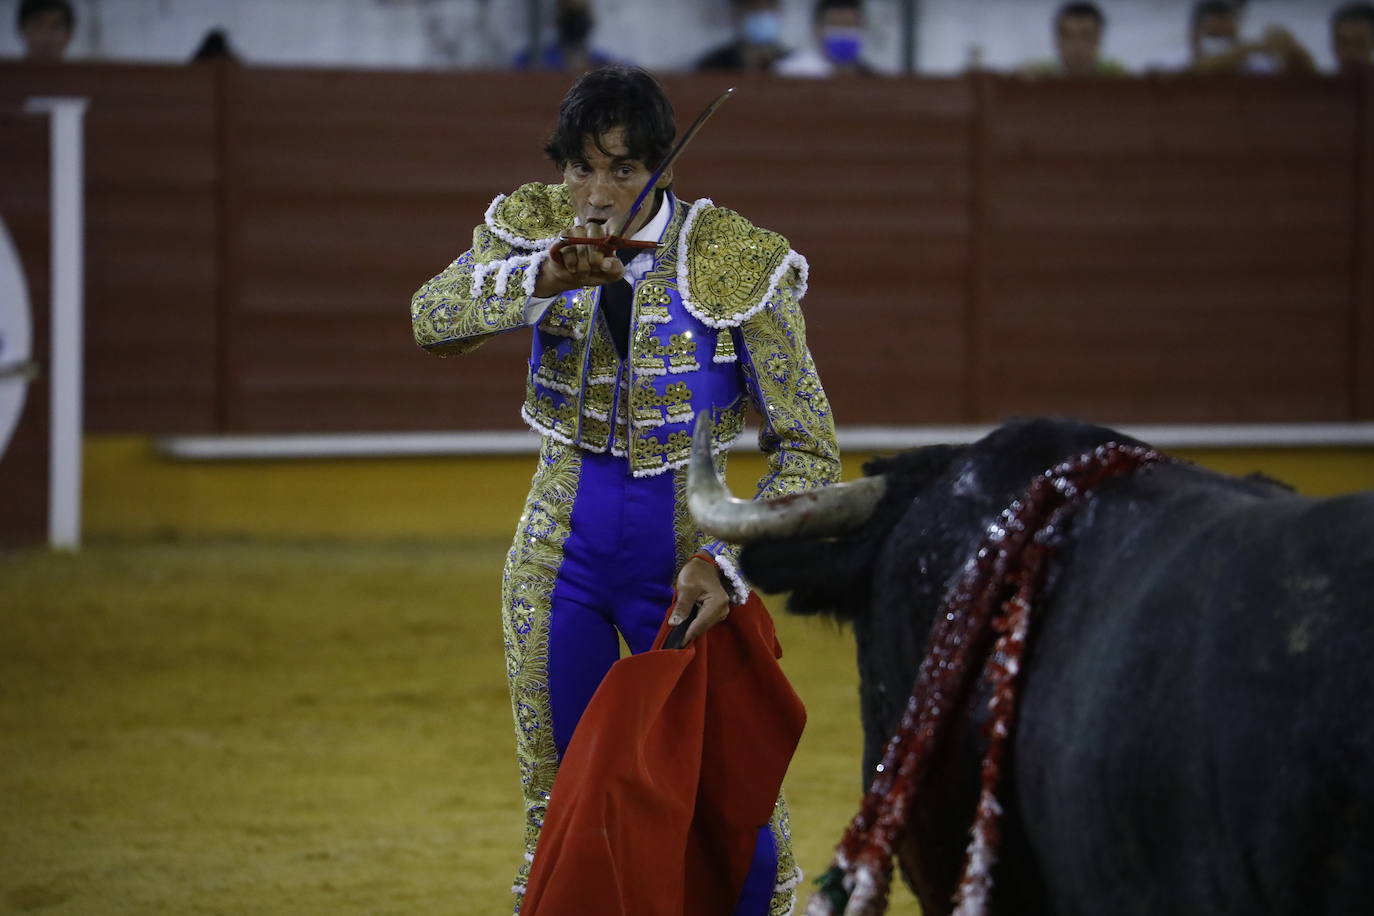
608 244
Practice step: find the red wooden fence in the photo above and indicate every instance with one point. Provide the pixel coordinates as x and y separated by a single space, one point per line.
1130 250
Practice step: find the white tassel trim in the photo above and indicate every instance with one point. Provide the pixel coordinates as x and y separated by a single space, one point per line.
684 370
716 449
532 263
503 270
511 238
729 358
791 260
658 469
789 886
596 414
547 430
479 277
543 379
738 588
601 380
503 277
683 248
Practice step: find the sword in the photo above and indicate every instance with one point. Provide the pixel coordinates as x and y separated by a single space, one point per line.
609 243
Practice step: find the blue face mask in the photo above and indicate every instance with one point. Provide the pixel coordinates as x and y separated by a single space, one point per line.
761 27
842 45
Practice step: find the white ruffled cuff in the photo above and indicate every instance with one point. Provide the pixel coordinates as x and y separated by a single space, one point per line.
721 553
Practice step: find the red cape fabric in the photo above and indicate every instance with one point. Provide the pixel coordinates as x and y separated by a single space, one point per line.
673 769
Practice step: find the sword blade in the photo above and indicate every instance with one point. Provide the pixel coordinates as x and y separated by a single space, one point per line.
668 160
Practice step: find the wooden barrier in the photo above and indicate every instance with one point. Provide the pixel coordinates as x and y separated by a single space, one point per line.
1159 250
24 208
151 231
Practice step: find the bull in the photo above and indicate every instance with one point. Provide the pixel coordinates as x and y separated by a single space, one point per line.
1195 732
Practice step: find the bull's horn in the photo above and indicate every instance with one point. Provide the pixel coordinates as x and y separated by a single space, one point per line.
814 513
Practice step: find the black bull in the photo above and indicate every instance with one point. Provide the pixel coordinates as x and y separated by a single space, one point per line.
1196 731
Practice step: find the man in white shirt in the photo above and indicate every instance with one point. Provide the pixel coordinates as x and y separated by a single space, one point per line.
1216 46
838 43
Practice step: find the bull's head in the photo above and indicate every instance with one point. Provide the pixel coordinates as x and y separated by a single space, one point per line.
906 529
882 551
820 545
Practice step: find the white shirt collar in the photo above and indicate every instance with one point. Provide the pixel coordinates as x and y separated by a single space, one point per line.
652 231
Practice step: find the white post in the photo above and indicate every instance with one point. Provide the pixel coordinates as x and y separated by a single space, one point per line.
66 322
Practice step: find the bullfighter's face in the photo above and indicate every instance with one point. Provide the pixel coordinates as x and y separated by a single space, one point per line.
605 180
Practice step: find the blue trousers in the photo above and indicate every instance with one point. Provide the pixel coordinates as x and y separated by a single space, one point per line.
616 561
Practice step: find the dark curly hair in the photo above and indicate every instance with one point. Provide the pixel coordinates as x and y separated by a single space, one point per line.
614 96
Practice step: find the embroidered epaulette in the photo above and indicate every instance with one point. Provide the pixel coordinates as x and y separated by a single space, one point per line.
531 215
728 268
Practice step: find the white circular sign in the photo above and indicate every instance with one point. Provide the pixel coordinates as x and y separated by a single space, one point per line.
16 338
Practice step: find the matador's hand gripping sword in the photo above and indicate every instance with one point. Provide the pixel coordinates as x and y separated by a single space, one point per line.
610 243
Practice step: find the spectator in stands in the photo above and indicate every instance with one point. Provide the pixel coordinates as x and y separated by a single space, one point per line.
1217 46
570 50
757 47
215 46
1352 38
838 27
46 28
1078 29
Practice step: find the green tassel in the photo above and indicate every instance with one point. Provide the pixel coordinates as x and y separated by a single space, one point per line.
831 886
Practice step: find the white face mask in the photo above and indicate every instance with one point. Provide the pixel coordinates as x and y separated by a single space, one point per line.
762 27
1212 45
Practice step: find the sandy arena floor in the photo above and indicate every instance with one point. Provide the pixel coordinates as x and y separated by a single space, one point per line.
296 728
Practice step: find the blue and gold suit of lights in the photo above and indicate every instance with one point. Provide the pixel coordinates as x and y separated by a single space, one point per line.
716 326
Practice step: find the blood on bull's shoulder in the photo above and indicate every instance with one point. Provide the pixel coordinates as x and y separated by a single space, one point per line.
1193 729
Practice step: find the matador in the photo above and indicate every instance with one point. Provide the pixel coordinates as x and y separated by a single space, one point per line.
626 353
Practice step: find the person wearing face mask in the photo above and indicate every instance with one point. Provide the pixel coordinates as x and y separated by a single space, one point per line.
838 49
569 51
757 47
1217 47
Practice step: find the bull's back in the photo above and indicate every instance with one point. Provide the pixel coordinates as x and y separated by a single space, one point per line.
1194 734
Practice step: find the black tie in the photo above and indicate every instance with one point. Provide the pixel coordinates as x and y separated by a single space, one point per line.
616 299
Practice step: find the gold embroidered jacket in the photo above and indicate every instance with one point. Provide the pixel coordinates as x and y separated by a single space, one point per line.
716 325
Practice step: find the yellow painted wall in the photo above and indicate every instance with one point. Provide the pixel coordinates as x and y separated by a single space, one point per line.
130 490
